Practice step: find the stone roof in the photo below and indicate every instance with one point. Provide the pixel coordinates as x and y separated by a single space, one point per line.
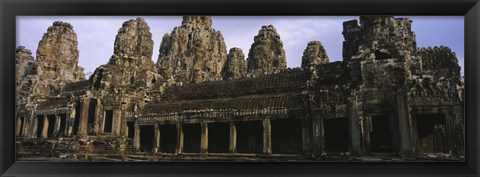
53 103
266 104
278 83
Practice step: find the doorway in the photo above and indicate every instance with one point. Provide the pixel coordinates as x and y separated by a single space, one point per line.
381 135
249 137
336 135
218 137
286 136
431 133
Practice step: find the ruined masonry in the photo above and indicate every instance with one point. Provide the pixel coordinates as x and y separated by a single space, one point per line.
266 55
193 53
386 98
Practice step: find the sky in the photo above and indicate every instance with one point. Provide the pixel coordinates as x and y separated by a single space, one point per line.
96 34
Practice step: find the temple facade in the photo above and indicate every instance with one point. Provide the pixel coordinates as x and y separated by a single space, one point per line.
387 97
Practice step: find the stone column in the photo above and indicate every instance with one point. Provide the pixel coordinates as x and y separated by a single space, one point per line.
84 117
101 124
267 136
99 117
120 111
179 139
19 126
119 121
156 140
318 134
45 127
458 131
71 120
233 138
354 122
204 138
449 128
58 123
404 124
307 135
365 128
136 138
116 122
123 121
414 132
33 133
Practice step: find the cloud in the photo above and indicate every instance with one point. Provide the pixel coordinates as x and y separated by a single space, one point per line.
296 31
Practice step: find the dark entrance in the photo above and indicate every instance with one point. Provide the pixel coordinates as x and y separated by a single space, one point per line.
168 138
51 125
191 135
249 136
381 55
131 129
146 138
91 116
20 131
286 136
431 133
336 134
63 124
76 123
40 123
381 135
218 137
108 121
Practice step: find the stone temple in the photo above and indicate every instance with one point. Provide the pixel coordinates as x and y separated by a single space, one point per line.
200 101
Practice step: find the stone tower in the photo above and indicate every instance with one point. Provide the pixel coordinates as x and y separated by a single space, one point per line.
131 63
236 66
266 55
378 46
57 54
193 53
314 54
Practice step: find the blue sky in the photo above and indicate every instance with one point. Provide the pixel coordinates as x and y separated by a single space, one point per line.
96 34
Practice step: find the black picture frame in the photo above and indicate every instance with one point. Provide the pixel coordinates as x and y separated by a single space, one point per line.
9 9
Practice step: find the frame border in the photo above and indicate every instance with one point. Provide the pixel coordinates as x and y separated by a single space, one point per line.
10 9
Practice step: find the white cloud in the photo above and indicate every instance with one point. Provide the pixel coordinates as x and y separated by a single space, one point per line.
294 31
